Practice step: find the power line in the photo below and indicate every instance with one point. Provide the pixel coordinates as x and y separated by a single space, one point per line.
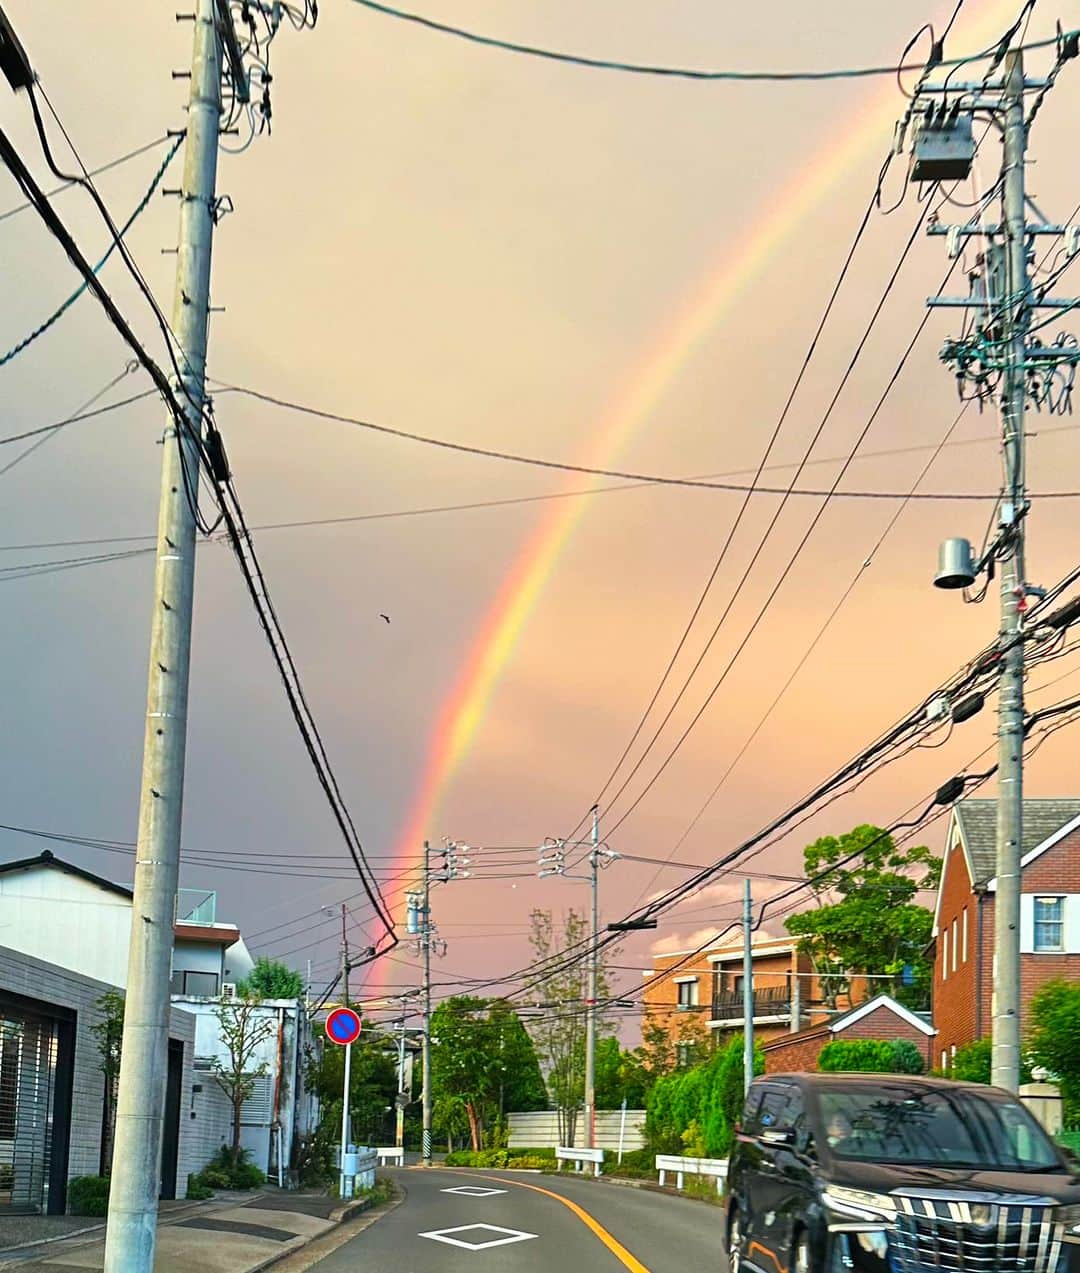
665 72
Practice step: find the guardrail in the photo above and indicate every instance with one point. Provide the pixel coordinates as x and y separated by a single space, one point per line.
581 1157
691 1167
391 1153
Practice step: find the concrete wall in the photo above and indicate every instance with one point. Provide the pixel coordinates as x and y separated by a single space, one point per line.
49 984
542 1129
66 921
207 1116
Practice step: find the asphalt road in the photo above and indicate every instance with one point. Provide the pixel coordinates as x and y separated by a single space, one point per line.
527 1227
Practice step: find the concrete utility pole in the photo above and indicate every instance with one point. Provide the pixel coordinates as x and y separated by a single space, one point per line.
1000 353
133 1197
592 993
399 1121
1005 1065
748 984
344 958
425 940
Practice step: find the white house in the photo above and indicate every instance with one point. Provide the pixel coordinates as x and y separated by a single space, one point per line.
59 912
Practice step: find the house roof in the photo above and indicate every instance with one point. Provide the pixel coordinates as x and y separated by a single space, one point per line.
212 934
49 859
977 820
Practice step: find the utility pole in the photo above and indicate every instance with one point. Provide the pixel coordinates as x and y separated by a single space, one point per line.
1005 1064
590 1002
132 1219
748 985
1000 355
344 958
425 1060
399 1125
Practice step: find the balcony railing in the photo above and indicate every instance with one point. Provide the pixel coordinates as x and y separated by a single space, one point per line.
769 1001
196 906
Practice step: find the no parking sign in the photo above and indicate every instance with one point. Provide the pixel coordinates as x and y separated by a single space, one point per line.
343 1026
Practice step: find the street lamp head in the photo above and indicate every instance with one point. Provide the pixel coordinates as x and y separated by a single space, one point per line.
956 565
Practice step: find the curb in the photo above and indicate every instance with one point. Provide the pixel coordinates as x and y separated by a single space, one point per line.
338 1218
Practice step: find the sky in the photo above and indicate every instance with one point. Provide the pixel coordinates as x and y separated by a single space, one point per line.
578 265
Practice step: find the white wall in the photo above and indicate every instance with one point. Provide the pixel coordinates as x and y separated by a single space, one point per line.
540 1129
66 921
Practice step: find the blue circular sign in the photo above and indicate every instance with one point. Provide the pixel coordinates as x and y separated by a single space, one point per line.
343 1026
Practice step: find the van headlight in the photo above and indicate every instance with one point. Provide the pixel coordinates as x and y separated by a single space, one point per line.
860 1204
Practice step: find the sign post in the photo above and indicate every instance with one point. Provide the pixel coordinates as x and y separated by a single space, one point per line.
343 1028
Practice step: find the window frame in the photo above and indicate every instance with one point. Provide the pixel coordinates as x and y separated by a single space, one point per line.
945 953
1059 923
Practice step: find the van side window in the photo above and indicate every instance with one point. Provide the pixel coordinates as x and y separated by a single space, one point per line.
750 1123
773 1114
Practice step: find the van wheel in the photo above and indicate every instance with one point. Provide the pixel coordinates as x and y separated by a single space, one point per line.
734 1241
803 1261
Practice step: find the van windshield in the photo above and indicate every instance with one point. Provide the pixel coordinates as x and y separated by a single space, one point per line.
893 1124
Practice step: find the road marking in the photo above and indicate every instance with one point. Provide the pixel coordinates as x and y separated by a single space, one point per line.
511 1235
613 1244
471 1191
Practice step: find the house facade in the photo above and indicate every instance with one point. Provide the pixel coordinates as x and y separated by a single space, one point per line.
963 935
880 1018
787 993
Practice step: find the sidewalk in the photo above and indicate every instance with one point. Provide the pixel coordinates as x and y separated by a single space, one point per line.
222 1236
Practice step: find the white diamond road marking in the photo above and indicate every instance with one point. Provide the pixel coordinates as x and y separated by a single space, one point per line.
473 1191
512 1235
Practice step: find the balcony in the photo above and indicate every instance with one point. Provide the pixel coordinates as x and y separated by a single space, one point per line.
769 1001
196 906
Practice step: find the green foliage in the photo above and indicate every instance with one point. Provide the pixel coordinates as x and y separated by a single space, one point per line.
866 920
243 1029
972 1062
88 1196
1054 1040
197 1189
270 979
871 1056
228 1169
483 1065
695 1111
108 1031
637 1164
478 1158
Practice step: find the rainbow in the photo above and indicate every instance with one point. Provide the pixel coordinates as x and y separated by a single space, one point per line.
724 283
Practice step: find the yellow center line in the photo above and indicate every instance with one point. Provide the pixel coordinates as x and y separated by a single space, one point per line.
613 1244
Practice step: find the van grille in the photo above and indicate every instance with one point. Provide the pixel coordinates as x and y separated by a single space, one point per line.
974 1233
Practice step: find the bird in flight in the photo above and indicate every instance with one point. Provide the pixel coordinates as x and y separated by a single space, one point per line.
385 616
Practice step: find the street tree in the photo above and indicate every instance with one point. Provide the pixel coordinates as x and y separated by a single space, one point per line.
242 1030
483 1064
867 920
561 984
108 1031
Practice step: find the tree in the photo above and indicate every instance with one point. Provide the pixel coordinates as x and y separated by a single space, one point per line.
619 1076
866 920
109 1033
562 985
483 1065
871 1056
1054 1039
270 979
243 1030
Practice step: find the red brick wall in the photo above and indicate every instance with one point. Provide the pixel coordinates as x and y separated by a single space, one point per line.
955 994
1057 871
883 1023
800 1054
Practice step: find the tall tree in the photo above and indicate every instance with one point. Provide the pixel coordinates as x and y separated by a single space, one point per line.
243 1030
109 1033
482 1063
866 919
561 985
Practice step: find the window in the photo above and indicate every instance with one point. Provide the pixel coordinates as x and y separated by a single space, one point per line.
944 1061
944 954
963 936
201 984
1049 923
682 1055
955 944
768 1109
687 993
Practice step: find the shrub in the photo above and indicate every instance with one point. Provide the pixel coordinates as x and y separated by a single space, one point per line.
530 1162
229 1170
971 1064
196 1190
871 1056
1054 1042
88 1196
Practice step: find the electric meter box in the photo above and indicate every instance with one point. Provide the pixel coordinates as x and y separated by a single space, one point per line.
944 150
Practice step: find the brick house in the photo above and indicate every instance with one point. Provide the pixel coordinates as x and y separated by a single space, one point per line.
880 1018
963 935
786 991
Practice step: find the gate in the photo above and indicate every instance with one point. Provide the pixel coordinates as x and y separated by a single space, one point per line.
32 1121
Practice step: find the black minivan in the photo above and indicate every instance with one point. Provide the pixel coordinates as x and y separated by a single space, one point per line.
882 1173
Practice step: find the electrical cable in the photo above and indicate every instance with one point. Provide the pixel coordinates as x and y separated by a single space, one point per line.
636 68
